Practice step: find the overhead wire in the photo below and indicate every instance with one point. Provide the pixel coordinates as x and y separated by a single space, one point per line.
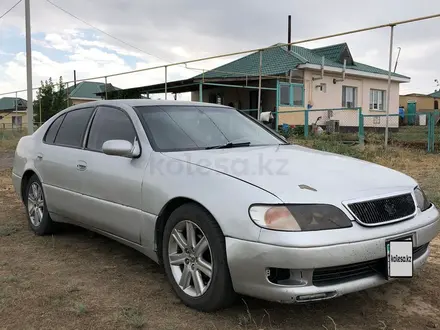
7 11
259 49
104 32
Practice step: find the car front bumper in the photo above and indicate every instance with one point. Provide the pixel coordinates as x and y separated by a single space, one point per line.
249 263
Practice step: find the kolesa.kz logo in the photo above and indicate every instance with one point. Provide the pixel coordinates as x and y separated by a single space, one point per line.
397 258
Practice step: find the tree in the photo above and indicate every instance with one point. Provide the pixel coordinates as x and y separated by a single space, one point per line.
52 97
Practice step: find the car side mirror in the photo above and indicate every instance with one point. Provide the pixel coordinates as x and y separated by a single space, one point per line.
121 148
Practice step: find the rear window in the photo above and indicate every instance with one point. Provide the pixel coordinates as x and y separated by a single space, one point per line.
72 130
53 130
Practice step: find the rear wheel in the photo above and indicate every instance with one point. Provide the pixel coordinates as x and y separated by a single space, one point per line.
36 209
194 259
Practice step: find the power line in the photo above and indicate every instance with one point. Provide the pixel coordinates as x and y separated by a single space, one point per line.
7 11
103 32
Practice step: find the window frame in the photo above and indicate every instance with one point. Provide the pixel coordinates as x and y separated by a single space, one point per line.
64 114
292 87
84 133
383 100
344 95
157 149
90 123
50 126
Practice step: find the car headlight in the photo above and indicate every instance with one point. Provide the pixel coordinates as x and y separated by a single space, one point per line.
422 201
299 217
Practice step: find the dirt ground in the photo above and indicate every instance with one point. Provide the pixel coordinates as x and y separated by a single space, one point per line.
6 159
75 280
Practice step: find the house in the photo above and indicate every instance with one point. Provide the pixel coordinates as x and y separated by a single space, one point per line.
294 79
423 102
86 91
13 113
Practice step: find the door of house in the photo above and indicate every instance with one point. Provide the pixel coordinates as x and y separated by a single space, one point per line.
411 112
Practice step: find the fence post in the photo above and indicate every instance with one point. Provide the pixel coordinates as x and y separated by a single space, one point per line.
361 127
200 91
434 117
430 132
306 123
277 108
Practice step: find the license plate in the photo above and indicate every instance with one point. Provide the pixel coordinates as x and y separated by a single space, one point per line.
400 258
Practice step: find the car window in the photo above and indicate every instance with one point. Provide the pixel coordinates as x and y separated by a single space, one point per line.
53 130
174 128
71 132
109 124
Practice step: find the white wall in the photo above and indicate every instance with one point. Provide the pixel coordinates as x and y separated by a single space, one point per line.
332 98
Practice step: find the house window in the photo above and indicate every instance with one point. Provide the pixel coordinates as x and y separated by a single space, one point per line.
291 94
16 121
297 96
349 96
285 95
377 100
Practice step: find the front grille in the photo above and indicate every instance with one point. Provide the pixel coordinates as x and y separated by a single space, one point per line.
346 273
381 211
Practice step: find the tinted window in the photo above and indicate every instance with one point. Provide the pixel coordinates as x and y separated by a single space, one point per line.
109 124
72 129
194 127
53 129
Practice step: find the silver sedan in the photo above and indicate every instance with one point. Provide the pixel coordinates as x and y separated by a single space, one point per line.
223 202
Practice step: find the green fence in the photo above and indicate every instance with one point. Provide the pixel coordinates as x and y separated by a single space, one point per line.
419 130
341 124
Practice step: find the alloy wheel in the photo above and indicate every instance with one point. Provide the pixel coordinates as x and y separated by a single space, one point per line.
35 204
190 258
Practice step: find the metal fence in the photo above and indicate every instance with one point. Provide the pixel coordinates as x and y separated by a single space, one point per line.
419 130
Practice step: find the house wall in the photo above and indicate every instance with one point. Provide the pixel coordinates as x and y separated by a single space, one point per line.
7 119
332 98
423 103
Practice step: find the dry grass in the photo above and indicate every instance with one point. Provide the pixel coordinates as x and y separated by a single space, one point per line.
8 144
77 281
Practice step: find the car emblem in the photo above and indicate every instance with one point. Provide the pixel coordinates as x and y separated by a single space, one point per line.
390 209
304 186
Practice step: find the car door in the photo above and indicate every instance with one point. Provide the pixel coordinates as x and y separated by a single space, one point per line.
57 162
112 185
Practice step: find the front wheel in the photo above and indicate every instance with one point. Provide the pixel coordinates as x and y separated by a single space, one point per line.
194 259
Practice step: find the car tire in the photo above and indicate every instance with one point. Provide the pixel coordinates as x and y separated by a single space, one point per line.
218 292
36 209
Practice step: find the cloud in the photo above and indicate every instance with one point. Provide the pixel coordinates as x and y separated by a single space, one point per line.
182 30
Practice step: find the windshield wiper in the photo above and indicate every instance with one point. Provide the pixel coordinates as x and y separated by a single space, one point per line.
230 145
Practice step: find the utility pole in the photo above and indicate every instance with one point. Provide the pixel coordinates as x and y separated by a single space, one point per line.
30 108
390 60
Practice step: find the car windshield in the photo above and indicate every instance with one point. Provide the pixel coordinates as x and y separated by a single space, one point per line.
174 128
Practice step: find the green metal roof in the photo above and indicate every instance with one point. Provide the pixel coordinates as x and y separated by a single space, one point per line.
8 103
435 94
88 89
279 60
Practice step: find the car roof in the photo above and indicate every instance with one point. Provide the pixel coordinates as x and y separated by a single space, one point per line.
143 102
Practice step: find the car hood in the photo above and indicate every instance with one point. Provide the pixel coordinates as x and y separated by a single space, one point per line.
299 174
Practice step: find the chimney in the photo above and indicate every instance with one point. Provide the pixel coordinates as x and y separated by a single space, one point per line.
74 78
289 33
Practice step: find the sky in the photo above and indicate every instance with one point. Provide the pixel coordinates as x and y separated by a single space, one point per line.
170 31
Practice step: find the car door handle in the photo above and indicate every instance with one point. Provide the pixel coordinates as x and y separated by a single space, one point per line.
39 156
81 166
